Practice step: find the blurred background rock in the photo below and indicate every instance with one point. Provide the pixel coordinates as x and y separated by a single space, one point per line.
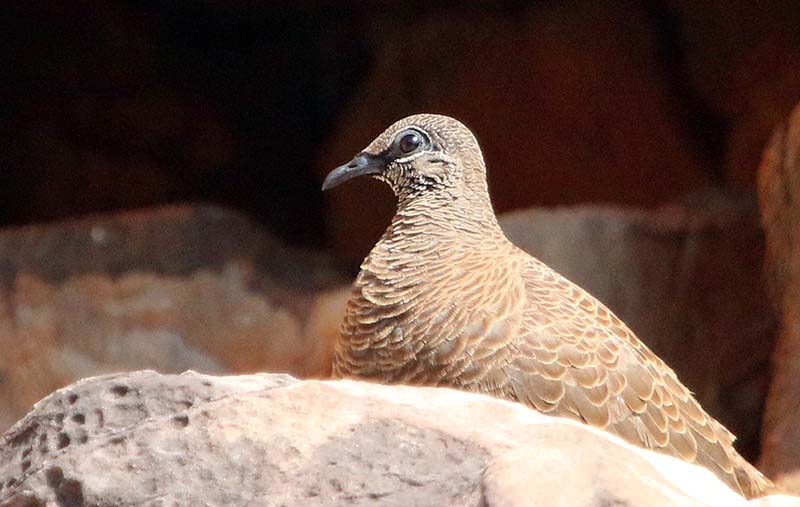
646 118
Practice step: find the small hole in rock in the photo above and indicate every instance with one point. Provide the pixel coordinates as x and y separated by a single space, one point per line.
83 438
26 465
22 436
120 390
79 418
54 476
181 420
63 440
26 452
72 398
70 493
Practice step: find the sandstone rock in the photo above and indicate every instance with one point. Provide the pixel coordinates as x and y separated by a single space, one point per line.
172 288
779 189
324 325
148 439
569 101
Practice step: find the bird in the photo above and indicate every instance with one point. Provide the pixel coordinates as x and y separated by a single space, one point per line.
445 299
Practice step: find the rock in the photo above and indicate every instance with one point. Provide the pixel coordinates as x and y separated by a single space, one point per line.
324 325
170 288
569 101
148 439
779 191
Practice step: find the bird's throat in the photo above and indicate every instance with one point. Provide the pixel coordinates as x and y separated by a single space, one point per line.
440 217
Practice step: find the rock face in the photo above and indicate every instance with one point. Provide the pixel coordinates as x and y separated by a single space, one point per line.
148 439
779 189
170 288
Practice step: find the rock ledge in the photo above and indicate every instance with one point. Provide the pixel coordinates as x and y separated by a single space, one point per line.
143 438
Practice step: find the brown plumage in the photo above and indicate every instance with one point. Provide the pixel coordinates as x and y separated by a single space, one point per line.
445 299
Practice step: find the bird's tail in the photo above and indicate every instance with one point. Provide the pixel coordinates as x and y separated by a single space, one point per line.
751 481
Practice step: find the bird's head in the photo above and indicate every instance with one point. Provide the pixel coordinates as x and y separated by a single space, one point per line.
419 155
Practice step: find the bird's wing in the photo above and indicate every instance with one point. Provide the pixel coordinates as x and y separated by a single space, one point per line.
575 358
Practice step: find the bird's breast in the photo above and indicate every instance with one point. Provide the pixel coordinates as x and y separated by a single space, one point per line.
419 318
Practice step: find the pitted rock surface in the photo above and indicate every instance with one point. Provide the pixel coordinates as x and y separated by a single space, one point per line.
104 408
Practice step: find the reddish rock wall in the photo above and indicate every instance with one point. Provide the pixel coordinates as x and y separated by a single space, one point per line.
779 186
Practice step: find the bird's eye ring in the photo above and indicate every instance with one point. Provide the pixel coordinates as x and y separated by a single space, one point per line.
410 142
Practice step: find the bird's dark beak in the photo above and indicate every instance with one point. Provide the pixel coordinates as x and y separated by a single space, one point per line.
364 163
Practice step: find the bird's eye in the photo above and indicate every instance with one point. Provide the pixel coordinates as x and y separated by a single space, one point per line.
410 142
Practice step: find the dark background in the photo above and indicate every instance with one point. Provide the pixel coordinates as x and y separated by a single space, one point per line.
116 105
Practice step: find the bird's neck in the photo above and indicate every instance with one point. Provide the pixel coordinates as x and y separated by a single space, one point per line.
466 219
